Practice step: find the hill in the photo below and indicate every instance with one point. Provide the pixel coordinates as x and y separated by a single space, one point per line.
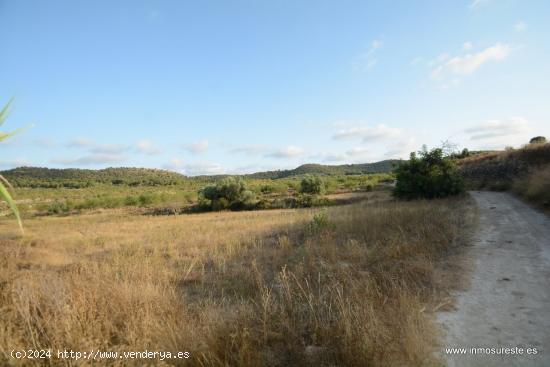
38 177
525 171
321 169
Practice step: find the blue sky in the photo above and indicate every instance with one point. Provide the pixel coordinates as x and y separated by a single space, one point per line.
206 87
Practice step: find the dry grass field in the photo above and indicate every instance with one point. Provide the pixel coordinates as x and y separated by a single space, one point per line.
353 285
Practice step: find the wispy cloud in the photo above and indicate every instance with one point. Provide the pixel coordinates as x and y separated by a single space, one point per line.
147 147
290 151
13 163
45 143
109 149
198 147
252 150
477 3
79 143
367 133
175 164
520 26
194 169
467 46
401 149
358 152
467 64
206 168
91 159
498 128
368 59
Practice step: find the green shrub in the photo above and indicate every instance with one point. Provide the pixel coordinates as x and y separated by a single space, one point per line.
229 193
428 175
320 223
145 199
131 201
58 207
312 185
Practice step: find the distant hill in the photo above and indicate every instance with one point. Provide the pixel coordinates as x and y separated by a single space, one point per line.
321 169
39 177
78 178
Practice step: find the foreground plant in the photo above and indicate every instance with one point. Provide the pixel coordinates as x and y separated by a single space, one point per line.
4 193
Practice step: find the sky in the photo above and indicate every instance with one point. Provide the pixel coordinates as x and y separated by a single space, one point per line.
210 87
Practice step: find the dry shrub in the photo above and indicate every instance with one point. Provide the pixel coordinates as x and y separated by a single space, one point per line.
234 289
536 186
499 170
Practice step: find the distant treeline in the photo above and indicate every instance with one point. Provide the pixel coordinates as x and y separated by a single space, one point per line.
38 177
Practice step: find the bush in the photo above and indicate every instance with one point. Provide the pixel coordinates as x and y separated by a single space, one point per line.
230 193
312 185
428 175
538 140
319 223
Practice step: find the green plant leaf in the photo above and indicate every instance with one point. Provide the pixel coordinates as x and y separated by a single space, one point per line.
4 194
5 111
4 136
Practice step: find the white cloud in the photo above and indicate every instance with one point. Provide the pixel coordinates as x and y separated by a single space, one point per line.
368 59
79 143
469 63
198 147
109 149
520 26
333 158
147 147
367 133
467 46
196 169
91 159
288 152
402 149
498 129
358 151
175 164
252 150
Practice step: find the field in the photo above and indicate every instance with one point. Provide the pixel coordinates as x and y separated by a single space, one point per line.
350 285
63 192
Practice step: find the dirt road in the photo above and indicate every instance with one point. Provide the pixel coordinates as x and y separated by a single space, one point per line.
507 303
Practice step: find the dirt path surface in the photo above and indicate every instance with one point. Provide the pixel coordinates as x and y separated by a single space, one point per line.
507 303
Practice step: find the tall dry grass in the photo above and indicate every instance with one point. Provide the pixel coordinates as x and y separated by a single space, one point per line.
352 286
535 186
500 169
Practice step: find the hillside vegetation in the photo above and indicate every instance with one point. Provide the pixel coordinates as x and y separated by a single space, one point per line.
385 166
46 191
38 177
525 171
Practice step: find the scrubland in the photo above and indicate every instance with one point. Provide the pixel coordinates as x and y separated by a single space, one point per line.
524 171
351 285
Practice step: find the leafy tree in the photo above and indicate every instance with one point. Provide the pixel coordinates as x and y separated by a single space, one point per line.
312 185
430 174
229 193
538 140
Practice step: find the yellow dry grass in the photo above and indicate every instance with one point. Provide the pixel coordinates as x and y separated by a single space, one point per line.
351 287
